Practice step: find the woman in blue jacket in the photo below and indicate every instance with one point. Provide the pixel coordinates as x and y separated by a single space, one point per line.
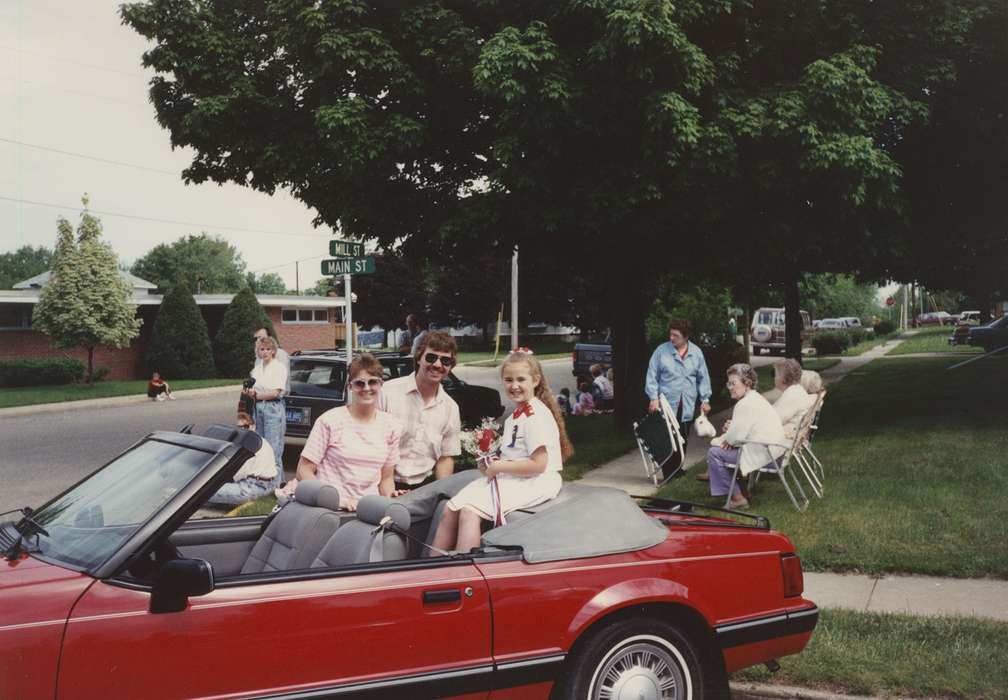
678 371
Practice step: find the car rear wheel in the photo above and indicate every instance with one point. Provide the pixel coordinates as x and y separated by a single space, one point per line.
638 659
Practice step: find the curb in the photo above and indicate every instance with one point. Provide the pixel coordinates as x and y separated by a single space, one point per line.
755 691
62 406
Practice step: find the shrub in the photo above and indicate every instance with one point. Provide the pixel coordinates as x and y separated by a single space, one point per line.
37 372
180 344
233 349
885 327
856 335
831 343
100 373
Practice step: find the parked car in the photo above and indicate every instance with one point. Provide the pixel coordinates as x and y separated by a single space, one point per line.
587 354
850 321
114 589
970 318
832 324
318 383
767 330
934 318
990 337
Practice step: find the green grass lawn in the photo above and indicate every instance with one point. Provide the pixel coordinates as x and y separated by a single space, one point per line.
934 339
867 344
916 460
28 396
882 654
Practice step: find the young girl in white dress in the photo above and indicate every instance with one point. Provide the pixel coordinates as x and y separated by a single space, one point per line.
533 446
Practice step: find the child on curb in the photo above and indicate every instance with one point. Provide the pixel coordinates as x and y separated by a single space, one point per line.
533 446
158 389
585 403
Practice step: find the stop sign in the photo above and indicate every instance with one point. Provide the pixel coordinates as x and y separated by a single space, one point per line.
890 301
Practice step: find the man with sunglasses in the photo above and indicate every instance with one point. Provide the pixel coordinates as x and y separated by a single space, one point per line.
430 417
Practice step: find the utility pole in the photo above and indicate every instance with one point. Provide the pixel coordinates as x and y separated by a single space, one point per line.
297 277
514 299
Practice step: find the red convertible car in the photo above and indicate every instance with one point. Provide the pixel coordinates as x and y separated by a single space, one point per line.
118 589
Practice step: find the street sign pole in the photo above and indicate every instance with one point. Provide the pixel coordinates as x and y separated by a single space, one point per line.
348 317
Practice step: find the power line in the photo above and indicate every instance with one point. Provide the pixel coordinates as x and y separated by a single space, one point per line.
161 221
57 59
289 262
73 154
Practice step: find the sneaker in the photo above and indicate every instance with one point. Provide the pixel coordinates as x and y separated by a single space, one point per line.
160 397
171 397
741 504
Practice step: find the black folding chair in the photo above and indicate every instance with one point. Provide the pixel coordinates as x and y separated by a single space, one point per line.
660 443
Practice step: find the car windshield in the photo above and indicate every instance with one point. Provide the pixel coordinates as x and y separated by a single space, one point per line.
318 378
88 523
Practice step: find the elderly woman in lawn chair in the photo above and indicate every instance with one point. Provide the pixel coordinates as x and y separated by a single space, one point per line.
753 420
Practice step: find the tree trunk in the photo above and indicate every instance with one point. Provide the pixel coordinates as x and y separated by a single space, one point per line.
630 356
792 318
90 365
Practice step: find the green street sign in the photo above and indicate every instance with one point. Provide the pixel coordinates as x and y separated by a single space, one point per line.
346 249
349 266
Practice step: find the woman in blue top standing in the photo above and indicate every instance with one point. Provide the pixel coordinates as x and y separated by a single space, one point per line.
678 370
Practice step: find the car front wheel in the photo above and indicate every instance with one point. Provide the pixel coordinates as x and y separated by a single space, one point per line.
638 659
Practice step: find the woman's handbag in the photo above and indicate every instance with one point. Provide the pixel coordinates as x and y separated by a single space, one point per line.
703 427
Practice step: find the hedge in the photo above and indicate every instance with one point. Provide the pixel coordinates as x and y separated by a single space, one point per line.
831 343
36 372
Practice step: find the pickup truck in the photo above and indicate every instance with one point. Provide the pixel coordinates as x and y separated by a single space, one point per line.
587 354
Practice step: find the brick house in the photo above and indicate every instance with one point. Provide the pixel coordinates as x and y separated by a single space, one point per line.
301 322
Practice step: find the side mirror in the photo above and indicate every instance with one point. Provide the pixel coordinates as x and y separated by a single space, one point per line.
177 581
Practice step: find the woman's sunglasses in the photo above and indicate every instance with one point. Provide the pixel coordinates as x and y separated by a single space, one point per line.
447 361
360 384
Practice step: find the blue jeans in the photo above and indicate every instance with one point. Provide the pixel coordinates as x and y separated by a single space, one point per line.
269 419
235 493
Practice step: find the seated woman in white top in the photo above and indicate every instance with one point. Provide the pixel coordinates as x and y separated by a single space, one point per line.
794 402
753 420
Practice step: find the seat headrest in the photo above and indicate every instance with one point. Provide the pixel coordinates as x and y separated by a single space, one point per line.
316 494
371 510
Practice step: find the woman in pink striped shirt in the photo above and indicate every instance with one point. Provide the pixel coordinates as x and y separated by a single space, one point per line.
356 447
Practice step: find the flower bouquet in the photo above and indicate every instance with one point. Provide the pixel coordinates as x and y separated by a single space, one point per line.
484 444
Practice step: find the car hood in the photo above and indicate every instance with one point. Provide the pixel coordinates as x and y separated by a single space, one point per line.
33 591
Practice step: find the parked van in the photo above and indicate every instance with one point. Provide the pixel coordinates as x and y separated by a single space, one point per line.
851 321
767 330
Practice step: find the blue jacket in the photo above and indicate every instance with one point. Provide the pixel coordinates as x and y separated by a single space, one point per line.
678 378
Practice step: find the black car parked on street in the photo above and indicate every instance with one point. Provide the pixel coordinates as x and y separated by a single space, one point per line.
318 382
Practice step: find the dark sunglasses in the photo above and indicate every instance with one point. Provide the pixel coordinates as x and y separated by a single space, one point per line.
447 361
359 384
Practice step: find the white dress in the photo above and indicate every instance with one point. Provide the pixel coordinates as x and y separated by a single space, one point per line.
531 429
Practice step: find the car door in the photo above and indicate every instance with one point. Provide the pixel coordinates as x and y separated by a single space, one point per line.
397 629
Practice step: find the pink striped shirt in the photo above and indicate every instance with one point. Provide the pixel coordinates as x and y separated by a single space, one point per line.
351 455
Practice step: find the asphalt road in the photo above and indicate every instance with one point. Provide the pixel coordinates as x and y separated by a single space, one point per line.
42 454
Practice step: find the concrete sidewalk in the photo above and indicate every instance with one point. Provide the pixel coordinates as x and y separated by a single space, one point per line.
917 595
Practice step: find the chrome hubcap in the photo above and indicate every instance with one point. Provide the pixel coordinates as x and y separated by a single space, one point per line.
641 671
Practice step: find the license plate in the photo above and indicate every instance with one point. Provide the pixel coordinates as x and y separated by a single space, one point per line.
298 416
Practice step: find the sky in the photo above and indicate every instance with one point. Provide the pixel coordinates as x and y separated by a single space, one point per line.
75 117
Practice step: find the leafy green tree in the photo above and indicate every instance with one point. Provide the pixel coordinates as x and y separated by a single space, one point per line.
24 263
618 138
202 264
87 302
267 283
233 349
180 343
398 287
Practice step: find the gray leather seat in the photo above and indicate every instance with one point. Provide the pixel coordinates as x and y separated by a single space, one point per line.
298 532
361 541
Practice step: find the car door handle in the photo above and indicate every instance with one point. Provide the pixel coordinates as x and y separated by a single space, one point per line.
447 596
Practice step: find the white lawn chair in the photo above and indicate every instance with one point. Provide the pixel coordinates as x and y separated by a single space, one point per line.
781 466
806 447
660 442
